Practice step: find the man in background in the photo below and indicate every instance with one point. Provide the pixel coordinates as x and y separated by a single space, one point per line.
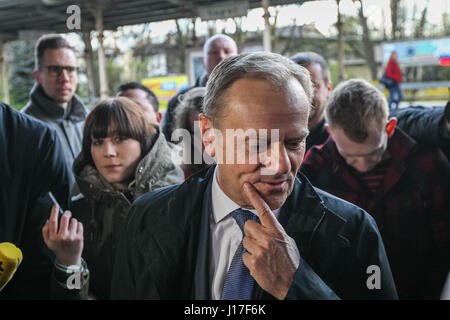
403 184
215 50
53 99
143 96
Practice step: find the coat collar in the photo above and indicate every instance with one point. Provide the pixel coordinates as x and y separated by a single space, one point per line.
157 163
74 112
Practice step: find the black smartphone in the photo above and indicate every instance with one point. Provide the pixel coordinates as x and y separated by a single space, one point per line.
61 211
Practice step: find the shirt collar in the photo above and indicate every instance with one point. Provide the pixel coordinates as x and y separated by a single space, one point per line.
223 205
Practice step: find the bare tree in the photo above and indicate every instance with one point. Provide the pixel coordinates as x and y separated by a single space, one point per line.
181 43
290 40
239 36
394 18
367 41
420 26
446 23
339 25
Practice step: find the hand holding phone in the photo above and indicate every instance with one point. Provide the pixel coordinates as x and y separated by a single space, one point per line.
64 236
61 211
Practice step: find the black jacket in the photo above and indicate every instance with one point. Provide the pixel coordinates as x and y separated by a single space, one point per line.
317 135
157 254
31 164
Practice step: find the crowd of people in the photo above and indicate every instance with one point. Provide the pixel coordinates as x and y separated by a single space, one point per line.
348 184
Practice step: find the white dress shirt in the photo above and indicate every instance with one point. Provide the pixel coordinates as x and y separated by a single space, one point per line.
225 237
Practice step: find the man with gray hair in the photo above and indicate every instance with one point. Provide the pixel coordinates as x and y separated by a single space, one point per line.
53 99
251 230
215 50
403 184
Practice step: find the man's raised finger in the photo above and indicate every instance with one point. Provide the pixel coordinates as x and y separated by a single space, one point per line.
64 223
265 215
53 221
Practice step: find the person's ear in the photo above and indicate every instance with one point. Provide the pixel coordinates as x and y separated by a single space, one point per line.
203 62
328 128
159 117
329 88
208 137
36 74
390 126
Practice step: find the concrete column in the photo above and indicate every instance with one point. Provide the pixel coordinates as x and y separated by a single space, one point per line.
98 14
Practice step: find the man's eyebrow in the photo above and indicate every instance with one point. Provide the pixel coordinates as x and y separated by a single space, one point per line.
301 136
304 133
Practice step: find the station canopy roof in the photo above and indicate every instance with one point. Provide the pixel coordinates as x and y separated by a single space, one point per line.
18 16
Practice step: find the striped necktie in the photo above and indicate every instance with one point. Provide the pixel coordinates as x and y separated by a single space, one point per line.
238 281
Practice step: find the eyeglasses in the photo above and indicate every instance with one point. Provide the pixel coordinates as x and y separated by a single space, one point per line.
56 71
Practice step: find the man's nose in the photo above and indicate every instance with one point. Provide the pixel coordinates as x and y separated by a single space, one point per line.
278 160
64 75
222 55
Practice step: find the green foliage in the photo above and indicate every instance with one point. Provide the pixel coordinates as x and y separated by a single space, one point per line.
334 71
114 73
21 79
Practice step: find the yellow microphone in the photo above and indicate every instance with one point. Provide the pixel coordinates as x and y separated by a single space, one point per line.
10 259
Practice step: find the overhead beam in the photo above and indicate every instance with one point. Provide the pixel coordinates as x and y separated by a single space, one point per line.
48 12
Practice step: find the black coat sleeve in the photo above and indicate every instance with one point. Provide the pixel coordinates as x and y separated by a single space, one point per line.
307 285
53 172
425 125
